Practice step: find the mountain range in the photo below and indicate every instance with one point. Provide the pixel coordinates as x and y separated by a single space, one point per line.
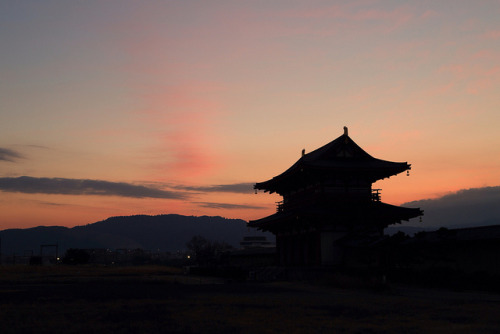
169 233
164 233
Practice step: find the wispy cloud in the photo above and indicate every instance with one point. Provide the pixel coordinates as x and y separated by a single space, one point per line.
9 155
34 185
228 206
37 146
52 204
241 188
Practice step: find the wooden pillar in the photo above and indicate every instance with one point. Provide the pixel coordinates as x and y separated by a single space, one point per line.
289 250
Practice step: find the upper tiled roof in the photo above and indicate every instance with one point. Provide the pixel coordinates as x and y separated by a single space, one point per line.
341 156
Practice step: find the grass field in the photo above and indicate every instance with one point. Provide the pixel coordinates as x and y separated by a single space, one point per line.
62 299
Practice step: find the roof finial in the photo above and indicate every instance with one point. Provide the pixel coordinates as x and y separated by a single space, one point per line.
303 151
345 131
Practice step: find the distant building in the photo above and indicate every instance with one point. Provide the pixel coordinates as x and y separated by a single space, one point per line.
329 204
255 242
255 251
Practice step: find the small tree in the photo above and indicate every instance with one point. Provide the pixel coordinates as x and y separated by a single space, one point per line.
206 252
197 245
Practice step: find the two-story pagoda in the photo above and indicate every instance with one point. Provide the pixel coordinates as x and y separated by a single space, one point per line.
328 201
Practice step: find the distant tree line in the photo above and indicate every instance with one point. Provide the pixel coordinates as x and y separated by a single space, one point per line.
206 252
200 251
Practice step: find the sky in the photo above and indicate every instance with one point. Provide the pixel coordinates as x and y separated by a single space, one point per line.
113 108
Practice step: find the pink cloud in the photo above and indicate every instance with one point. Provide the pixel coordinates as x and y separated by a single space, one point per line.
357 12
330 12
405 55
492 34
441 89
185 118
484 79
485 55
477 72
476 86
396 15
180 106
454 69
429 13
493 71
189 154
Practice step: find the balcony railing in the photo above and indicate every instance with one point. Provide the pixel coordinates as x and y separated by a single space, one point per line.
376 195
281 206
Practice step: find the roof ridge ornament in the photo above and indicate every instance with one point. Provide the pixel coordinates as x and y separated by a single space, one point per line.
345 131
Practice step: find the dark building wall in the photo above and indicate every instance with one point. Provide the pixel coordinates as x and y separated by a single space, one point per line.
299 248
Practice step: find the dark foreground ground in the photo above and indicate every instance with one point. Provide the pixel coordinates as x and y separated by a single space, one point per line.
157 300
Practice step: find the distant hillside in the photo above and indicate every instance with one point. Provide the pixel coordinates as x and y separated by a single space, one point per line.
162 232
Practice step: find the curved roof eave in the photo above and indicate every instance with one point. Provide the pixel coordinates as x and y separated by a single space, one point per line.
380 169
341 154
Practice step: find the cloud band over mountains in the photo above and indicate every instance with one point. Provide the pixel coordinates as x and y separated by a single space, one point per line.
62 186
242 188
9 155
229 206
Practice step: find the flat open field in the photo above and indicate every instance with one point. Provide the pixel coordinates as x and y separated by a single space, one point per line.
160 300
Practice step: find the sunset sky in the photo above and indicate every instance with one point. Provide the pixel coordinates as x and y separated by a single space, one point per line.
112 108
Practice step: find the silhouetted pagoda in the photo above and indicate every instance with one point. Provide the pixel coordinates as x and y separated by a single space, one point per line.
328 203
